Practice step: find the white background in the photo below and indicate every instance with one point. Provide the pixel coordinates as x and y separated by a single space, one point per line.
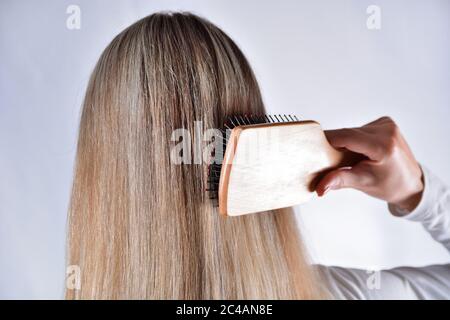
316 59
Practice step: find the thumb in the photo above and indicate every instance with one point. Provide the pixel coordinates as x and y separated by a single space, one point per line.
338 179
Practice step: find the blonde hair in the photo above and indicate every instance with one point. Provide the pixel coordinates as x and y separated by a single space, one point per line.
143 228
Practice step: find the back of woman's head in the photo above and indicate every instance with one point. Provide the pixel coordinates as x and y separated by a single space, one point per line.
141 226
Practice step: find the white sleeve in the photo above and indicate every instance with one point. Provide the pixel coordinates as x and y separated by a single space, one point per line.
431 282
433 210
404 283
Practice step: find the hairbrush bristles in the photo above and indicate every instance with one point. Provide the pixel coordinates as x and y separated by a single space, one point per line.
215 168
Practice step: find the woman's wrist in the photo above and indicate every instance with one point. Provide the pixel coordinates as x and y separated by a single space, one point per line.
412 200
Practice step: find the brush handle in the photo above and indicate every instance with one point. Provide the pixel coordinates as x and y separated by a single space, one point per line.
292 157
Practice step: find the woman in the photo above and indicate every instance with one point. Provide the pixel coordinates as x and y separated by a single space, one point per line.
142 227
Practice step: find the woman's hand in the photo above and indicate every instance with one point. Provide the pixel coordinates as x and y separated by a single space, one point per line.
390 173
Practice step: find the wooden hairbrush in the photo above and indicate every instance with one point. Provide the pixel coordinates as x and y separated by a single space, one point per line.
271 162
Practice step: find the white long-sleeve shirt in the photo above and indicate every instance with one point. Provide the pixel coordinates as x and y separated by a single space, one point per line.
431 282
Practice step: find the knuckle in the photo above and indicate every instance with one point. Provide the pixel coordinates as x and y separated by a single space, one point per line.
390 145
391 140
386 118
393 129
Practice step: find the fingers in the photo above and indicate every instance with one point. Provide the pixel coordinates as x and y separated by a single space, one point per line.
356 140
381 120
380 141
341 178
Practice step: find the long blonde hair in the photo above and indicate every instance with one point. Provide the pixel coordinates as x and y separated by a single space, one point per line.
141 227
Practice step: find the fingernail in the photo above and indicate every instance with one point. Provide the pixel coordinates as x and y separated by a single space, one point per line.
325 190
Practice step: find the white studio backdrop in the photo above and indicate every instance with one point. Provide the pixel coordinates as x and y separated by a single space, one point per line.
316 59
